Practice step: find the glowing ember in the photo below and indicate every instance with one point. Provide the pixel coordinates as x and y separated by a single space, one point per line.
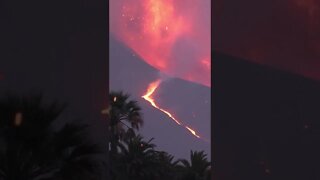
148 97
18 119
193 132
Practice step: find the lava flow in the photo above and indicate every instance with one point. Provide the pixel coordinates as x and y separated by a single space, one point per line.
148 97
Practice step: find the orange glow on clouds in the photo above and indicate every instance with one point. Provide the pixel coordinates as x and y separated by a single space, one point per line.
148 97
171 37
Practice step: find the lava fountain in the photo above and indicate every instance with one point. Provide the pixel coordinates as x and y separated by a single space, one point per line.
172 36
148 97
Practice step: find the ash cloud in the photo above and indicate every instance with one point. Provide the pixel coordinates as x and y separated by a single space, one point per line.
184 59
181 48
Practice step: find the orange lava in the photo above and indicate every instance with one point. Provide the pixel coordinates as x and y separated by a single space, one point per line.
193 132
148 97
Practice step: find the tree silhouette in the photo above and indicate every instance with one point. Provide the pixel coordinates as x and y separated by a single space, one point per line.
31 149
197 169
138 160
133 158
123 111
168 167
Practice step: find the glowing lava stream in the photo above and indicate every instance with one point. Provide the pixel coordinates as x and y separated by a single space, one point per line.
148 97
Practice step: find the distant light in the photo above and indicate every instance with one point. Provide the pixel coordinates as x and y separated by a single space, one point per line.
115 99
267 171
105 111
18 119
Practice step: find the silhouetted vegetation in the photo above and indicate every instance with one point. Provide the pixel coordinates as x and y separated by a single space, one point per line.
133 158
31 149
125 117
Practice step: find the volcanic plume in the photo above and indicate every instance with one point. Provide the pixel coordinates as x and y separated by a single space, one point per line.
172 36
280 34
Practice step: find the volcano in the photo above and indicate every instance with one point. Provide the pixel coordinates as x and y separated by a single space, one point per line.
188 101
266 122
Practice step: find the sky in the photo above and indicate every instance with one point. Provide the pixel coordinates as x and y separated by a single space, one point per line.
282 34
165 41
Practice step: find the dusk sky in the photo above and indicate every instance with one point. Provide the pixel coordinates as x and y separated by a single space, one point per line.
281 34
161 50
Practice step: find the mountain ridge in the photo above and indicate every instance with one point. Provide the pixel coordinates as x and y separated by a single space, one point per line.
131 74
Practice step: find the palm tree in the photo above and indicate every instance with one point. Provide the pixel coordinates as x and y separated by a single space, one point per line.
167 166
125 117
198 167
138 160
31 149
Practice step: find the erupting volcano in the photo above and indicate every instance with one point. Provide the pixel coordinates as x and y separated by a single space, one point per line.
172 36
148 97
